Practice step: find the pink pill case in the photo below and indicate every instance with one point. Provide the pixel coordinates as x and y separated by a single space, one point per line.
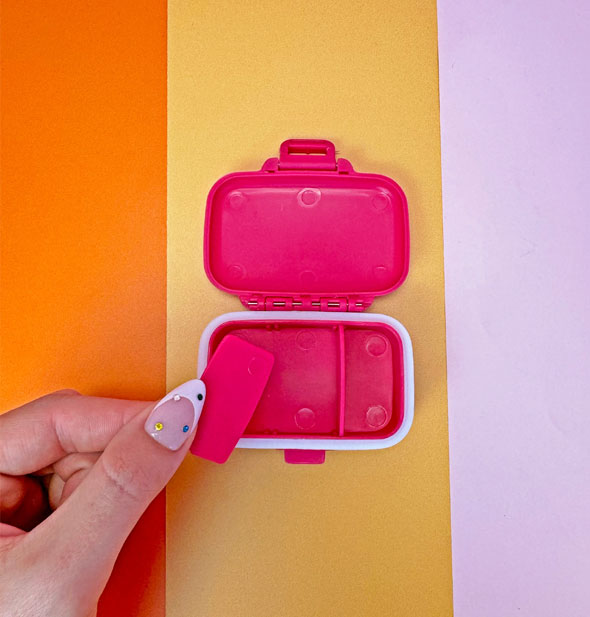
306 244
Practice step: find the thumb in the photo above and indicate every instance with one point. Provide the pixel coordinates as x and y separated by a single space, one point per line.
87 532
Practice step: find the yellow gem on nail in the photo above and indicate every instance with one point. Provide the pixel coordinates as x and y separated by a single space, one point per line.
159 426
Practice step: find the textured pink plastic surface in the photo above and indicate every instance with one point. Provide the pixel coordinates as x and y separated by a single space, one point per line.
331 379
306 232
305 457
235 378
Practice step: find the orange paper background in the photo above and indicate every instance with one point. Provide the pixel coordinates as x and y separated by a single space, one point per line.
83 223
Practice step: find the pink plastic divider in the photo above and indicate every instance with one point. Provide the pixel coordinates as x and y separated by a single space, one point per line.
342 398
228 410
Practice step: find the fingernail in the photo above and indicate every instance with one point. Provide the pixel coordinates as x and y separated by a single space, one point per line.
174 419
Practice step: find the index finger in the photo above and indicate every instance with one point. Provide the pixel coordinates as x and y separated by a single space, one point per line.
46 429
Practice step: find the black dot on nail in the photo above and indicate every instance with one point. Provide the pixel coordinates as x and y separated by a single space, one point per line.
200 397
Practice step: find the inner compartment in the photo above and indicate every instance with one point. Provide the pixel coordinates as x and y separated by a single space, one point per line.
285 233
330 379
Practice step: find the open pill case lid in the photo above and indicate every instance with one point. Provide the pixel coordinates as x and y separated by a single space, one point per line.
306 232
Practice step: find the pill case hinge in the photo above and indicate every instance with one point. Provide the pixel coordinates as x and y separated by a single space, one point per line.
335 304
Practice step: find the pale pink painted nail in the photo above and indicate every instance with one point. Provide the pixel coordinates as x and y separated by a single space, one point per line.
174 419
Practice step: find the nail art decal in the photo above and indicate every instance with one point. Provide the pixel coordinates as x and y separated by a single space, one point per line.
174 419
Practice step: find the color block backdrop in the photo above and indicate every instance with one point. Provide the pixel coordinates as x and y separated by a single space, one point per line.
366 533
84 276
83 225
515 97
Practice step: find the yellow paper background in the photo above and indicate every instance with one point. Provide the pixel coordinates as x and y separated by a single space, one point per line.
367 533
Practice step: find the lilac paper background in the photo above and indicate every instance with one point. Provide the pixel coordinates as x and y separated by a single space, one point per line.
515 101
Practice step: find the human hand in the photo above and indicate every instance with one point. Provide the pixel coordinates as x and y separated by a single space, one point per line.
76 473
